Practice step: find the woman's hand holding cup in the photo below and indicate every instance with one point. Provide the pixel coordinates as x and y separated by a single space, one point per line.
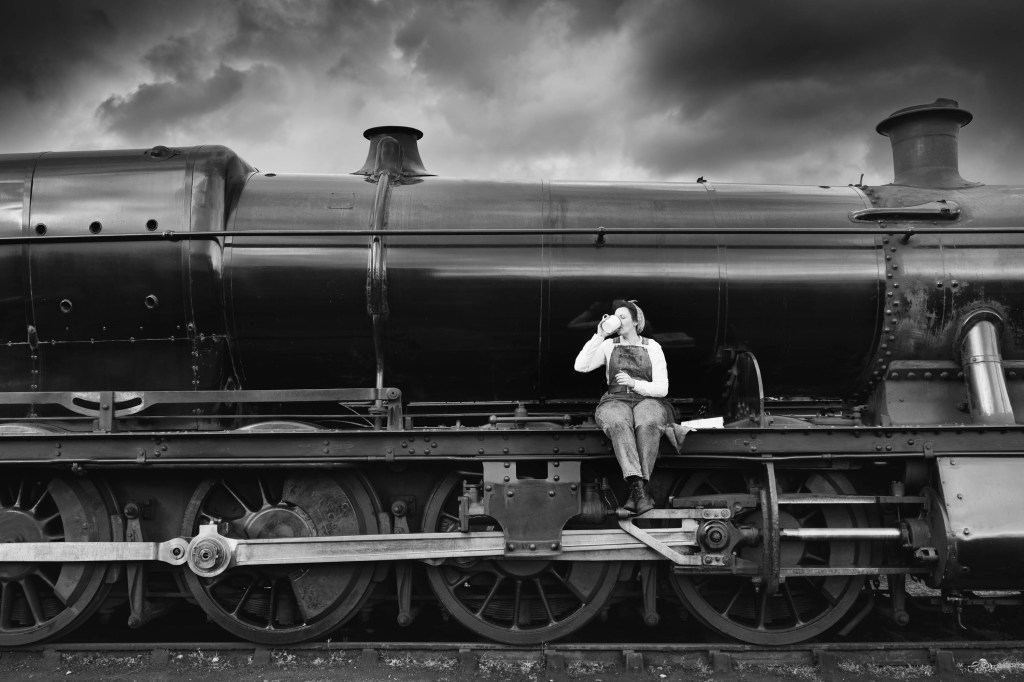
608 325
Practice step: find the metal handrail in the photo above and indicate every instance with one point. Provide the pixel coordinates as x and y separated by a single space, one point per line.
173 236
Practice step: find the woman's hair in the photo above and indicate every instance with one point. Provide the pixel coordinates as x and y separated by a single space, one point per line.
634 311
623 303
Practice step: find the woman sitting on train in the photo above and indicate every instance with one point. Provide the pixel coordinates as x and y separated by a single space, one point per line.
632 412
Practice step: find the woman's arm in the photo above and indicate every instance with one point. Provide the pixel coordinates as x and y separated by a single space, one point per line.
592 356
658 386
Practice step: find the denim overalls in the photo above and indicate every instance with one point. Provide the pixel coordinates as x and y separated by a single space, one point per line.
632 421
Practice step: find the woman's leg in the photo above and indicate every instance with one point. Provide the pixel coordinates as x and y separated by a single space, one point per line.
649 416
615 417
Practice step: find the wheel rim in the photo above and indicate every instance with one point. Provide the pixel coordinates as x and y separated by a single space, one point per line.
43 601
513 601
804 607
292 603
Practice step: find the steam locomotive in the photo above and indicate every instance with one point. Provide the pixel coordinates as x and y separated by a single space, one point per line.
288 399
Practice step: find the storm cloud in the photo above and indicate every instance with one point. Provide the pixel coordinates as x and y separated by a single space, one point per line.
785 92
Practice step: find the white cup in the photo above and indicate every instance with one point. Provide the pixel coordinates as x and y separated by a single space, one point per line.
610 324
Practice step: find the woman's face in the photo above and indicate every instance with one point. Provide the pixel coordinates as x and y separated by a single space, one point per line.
626 318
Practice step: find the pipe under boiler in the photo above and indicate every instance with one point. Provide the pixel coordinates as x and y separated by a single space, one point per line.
982 361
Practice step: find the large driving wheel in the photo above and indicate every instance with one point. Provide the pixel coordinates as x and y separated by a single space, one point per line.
512 601
804 606
46 600
289 603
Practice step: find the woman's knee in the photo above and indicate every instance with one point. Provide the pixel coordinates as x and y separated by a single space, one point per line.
648 416
615 427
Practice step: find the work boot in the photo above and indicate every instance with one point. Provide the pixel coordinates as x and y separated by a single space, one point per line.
630 504
640 500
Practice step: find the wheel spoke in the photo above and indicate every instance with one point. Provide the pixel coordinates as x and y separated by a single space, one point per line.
517 604
32 598
762 610
572 588
792 604
253 584
272 607
490 595
742 585
20 495
6 603
264 497
805 517
42 496
38 573
238 497
544 600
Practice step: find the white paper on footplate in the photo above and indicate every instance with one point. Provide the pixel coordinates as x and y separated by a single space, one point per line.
709 423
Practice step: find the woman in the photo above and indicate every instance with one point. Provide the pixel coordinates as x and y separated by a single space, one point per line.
631 412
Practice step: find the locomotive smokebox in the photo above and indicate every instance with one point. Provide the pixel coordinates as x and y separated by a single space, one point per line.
406 139
924 144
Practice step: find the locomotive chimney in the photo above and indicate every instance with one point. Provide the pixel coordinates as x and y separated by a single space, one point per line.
924 144
411 164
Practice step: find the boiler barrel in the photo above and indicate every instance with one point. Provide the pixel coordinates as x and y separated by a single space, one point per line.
497 316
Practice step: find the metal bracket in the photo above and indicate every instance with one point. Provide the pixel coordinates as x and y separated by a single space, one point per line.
657 545
933 210
549 502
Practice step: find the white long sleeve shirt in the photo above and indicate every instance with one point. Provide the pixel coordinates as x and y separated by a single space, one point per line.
597 352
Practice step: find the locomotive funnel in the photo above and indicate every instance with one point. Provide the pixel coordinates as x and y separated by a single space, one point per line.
412 164
924 143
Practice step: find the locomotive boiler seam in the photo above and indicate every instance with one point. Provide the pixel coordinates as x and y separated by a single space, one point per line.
26 273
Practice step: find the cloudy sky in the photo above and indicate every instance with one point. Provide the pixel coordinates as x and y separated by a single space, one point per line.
780 91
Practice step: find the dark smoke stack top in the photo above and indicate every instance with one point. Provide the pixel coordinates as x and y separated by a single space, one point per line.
402 150
924 144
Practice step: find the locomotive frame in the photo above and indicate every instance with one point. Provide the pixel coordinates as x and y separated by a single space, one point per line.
282 511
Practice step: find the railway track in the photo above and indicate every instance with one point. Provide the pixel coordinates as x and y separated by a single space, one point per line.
462 660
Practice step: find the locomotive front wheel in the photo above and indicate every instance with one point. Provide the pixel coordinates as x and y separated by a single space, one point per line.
46 600
803 607
512 601
289 603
